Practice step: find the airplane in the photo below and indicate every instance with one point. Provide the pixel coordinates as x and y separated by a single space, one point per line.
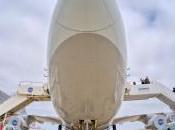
87 71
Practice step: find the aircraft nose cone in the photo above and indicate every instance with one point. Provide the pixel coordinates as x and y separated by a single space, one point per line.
85 15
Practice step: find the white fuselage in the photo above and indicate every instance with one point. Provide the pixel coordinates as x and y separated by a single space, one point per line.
87 60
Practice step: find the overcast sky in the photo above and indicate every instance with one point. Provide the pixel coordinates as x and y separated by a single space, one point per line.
24 27
150 29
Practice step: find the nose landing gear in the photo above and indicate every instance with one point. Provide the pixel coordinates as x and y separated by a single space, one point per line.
85 125
59 127
114 127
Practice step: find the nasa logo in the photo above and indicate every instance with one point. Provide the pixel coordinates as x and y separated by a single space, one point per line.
14 122
30 89
160 122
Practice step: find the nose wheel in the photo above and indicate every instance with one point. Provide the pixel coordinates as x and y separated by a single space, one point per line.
84 125
114 127
60 127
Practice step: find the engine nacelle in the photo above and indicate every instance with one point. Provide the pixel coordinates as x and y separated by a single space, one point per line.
158 121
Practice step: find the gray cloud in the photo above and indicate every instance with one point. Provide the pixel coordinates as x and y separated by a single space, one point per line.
150 27
24 27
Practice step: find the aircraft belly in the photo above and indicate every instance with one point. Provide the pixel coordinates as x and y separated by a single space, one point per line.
86 78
